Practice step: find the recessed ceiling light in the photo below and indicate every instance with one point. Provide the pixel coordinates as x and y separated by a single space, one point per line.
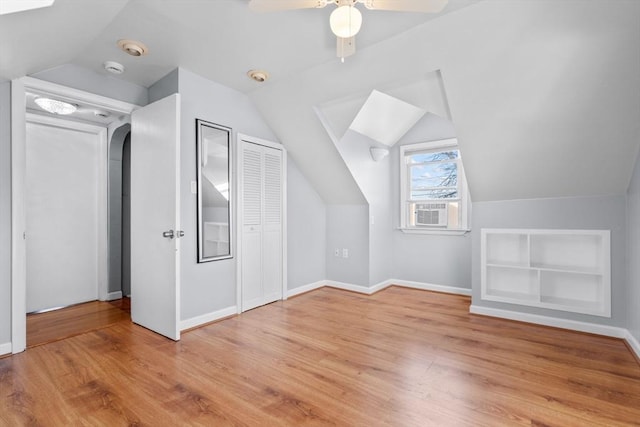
54 106
258 75
114 67
12 6
133 47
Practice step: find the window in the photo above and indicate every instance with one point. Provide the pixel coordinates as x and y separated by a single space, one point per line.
433 187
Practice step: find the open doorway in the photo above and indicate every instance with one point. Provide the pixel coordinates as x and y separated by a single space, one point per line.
71 281
60 307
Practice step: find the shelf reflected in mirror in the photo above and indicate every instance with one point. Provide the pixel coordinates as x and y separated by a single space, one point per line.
214 189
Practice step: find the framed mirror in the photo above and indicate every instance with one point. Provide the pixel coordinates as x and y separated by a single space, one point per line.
213 145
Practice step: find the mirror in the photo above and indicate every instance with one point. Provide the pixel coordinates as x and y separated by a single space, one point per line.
214 191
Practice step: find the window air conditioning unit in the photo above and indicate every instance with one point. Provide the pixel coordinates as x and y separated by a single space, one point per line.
432 214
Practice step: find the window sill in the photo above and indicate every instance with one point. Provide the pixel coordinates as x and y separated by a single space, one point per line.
434 232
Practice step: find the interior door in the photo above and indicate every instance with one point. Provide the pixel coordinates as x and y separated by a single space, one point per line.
262 236
64 185
155 216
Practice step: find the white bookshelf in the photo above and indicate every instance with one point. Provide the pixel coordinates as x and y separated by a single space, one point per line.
216 238
567 270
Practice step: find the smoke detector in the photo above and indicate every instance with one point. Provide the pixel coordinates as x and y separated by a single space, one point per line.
258 75
133 47
114 67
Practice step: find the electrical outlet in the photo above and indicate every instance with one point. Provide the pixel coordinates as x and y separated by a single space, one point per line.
345 253
336 252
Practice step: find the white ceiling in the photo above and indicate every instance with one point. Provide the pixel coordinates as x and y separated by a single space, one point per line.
544 92
218 39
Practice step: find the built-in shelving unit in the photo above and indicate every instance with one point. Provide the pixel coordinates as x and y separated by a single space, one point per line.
567 270
216 237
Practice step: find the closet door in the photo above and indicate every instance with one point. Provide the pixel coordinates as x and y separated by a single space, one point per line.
261 251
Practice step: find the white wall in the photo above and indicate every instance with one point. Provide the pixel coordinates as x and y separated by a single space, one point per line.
62 188
348 228
101 84
437 259
306 230
5 212
211 286
373 179
601 213
633 254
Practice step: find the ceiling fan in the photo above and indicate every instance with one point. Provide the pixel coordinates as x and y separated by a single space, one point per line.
345 21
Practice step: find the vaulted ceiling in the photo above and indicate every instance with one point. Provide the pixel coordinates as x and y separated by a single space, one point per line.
544 94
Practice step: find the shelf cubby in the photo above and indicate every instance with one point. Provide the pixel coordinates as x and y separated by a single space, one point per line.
558 269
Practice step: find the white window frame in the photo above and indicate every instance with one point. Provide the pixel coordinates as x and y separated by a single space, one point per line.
405 191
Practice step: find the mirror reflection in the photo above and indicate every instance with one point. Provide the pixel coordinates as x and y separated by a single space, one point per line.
214 189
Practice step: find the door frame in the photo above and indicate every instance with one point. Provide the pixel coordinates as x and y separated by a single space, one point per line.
19 87
240 139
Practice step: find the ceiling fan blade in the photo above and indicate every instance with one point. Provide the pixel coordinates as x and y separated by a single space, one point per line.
428 6
277 5
345 47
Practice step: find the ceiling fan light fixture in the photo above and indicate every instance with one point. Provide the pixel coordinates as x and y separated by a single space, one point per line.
55 106
345 21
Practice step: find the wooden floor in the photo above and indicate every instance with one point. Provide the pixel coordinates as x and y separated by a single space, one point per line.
400 357
43 328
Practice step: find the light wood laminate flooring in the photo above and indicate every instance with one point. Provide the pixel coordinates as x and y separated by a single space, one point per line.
43 328
400 357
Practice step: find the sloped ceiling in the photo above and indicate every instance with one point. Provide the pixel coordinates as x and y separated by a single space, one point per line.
544 96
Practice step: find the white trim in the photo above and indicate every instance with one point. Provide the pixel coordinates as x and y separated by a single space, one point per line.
75 95
402 283
5 348
437 232
432 287
305 288
633 343
18 218
349 287
574 325
113 296
208 318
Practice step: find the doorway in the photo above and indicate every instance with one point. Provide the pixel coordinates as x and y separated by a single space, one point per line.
93 112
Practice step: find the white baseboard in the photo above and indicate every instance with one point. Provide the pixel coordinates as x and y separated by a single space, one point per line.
574 325
207 318
5 348
114 295
396 282
633 343
305 288
430 287
349 287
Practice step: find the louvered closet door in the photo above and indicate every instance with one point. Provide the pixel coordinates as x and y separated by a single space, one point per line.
261 250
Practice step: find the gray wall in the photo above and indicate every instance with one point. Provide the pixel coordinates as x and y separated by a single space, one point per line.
5 212
597 213
374 181
306 230
348 228
211 286
633 254
436 259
